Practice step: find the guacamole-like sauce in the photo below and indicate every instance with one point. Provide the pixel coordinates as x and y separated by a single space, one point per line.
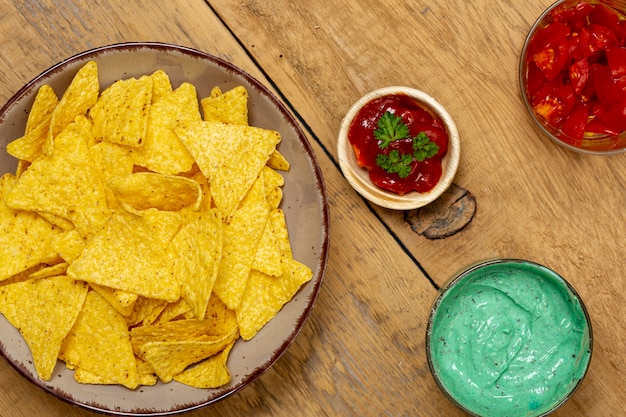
509 339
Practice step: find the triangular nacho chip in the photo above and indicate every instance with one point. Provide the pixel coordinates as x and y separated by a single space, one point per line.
44 311
130 255
66 179
99 343
240 240
228 107
265 296
26 239
121 113
196 250
231 157
80 95
28 147
162 150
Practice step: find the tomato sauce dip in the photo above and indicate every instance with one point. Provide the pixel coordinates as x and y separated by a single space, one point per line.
424 174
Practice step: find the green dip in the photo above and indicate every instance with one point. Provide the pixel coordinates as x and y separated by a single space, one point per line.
509 338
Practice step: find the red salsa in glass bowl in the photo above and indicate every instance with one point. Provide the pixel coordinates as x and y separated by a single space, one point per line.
398 147
573 74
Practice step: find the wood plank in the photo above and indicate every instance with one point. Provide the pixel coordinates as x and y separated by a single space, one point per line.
534 200
361 352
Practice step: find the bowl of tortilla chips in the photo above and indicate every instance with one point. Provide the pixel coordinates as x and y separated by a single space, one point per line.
163 229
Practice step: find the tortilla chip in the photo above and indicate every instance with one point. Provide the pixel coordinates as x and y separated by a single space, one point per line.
26 239
210 373
162 151
230 156
228 107
28 147
270 254
44 311
173 346
240 240
66 179
121 113
145 190
99 343
196 250
80 95
265 296
136 261
278 161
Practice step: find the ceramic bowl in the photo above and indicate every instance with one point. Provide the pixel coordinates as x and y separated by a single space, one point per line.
304 203
359 177
508 337
591 143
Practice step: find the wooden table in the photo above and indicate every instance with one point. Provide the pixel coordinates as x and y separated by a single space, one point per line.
361 352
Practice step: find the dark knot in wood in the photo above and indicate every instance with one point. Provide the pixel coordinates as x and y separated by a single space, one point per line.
444 217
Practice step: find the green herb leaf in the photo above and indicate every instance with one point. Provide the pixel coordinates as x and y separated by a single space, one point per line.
423 147
395 162
390 128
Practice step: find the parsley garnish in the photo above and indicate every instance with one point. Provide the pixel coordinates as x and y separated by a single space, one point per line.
395 163
390 128
423 147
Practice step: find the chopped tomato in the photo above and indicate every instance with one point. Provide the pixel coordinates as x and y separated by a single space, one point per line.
552 56
574 17
575 124
576 71
554 103
616 58
605 87
579 75
603 37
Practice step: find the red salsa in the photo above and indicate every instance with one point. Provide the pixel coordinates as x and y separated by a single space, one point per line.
576 78
400 143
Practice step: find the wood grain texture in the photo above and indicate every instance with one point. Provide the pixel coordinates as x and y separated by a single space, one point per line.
361 352
534 200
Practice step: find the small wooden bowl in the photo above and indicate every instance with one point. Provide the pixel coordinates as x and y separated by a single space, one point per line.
359 177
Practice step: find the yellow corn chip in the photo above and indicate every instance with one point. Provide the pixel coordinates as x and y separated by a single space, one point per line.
80 95
50 271
196 251
228 107
29 146
278 161
231 157
130 255
265 296
146 311
210 373
66 179
26 239
111 160
161 85
68 245
273 183
121 113
240 240
172 311
99 343
162 150
44 311
123 302
144 190
270 254
169 348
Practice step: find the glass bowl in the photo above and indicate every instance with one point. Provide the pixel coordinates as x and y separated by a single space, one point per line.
508 337
591 143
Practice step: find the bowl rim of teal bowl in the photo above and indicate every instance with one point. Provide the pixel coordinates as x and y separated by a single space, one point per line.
459 276
522 67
